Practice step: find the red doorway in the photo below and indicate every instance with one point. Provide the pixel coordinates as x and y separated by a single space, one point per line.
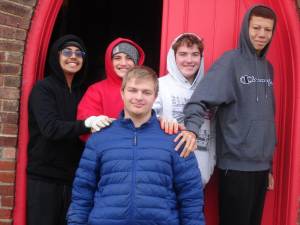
220 30
218 22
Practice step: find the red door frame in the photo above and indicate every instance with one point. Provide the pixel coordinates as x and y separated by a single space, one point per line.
186 16
33 68
287 166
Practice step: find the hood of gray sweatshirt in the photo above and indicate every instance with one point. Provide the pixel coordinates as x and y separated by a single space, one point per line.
240 86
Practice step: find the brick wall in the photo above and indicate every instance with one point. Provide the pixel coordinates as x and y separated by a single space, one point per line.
15 16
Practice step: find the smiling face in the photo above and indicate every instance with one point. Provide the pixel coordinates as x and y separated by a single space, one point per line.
122 63
260 32
138 96
70 63
188 61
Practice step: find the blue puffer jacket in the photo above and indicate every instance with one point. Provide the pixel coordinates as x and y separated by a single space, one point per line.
133 176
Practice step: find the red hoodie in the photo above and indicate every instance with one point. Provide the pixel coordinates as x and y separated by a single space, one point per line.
104 97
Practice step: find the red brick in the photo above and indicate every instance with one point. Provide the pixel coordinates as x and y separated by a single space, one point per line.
26 2
7 165
6 68
10 105
9 93
12 81
15 9
8 117
8 128
7 142
7 201
11 57
7 177
7 190
8 153
2 57
6 222
12 33
5 214
8 45
15 57
14 21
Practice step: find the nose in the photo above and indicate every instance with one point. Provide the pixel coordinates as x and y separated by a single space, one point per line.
73 55
189 58
123 61
261 33
139 95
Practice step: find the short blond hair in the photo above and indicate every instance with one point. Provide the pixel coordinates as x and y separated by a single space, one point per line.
141 72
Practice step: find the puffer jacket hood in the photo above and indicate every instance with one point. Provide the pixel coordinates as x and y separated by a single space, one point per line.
245 44
175 72
109 69
56 70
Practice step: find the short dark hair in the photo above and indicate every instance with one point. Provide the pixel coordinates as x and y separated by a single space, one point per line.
141 72
189 40
263 11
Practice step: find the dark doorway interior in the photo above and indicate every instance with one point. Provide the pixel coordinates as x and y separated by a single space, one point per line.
100 22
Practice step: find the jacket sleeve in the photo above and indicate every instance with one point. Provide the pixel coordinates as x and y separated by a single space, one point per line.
44 107
188 188
214 90
84 186
90 105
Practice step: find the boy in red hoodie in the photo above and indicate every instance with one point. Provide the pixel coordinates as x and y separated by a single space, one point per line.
103 100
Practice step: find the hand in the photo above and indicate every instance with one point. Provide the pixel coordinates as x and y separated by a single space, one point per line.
96 123
270 182
170 126
189 138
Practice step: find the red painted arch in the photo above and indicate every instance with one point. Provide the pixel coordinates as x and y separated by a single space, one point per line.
218 23
33 68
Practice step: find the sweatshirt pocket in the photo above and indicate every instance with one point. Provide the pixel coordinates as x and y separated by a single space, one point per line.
260 140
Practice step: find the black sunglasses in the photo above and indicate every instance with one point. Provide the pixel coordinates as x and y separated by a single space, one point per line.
68 53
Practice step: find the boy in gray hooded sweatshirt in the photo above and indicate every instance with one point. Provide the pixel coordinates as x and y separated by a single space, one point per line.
240 84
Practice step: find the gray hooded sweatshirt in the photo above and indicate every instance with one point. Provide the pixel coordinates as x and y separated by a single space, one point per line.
240 84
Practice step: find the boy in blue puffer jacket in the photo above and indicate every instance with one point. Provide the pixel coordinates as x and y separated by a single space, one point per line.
129 173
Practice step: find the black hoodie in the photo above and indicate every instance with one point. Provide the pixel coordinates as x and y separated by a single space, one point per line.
54 148
240 84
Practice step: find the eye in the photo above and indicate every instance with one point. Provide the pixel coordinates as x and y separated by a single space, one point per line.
79 54
182 53
147 93
116 57
131 90
196 54
66 52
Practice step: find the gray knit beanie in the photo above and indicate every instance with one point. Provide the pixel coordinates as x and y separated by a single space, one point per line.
128 49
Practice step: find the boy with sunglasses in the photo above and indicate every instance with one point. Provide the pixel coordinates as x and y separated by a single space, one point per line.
54 148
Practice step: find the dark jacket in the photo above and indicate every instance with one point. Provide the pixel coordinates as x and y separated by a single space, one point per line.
240 84
54 149
133 176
